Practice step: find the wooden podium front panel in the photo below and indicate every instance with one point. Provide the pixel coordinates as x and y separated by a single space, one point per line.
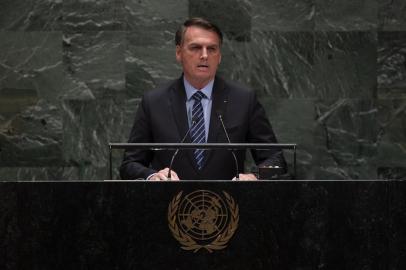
280 225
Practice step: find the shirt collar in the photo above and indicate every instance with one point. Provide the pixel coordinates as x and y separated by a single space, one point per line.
190 90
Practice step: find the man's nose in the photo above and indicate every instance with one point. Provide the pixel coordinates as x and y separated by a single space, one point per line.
204 53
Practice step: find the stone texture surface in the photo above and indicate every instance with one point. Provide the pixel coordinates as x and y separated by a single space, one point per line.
331 75
392 15
346 15
283 15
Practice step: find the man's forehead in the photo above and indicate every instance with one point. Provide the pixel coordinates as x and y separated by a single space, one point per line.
195 33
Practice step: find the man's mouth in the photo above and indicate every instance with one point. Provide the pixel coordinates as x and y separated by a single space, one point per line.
202 66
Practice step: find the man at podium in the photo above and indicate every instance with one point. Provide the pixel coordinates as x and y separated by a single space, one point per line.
199 107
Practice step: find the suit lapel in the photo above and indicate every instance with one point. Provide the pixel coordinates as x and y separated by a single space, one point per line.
178 107
219 96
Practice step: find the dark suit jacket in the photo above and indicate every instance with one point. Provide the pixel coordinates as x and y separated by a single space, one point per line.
162 118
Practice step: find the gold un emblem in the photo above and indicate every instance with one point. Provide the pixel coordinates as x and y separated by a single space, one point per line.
203 220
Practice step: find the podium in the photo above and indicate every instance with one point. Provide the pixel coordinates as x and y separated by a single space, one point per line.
274 225
270 171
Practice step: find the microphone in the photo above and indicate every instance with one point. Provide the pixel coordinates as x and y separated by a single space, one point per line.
177 150
219 115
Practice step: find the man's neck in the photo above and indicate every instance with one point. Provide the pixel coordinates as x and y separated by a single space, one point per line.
191 90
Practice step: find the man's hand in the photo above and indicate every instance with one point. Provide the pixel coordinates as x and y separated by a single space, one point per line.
162 175
246 177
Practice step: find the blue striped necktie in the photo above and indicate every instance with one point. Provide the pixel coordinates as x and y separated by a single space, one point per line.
197 132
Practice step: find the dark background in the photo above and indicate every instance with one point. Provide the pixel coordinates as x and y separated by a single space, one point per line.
331 74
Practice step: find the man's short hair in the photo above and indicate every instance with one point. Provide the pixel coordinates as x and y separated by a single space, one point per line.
199 22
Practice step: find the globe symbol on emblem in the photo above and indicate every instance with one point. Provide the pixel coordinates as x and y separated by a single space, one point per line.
202 215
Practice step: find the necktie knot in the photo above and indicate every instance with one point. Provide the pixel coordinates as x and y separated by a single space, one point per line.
198 96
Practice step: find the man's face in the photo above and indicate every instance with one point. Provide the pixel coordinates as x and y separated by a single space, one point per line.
199 55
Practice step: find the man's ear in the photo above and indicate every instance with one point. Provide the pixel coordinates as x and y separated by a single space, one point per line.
178 54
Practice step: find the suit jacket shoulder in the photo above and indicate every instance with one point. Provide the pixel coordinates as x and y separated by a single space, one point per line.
162 91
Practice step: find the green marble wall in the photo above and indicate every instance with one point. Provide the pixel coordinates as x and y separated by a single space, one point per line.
331 74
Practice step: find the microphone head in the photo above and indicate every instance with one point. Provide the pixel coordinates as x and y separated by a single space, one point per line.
219 113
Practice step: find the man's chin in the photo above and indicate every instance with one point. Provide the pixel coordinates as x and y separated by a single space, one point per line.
200 81
205 75
205 79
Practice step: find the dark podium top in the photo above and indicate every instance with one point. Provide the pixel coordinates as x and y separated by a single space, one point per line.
134 225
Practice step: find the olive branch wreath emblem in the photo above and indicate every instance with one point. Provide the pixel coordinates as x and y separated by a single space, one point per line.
187 242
